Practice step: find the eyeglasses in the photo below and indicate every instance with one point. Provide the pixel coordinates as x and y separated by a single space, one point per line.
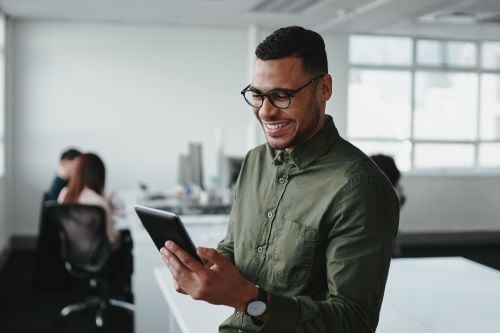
280 98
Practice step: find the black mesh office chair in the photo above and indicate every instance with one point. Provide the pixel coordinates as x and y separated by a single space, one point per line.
86 252
48 271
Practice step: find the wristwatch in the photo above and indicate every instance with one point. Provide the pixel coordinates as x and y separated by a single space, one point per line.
257 307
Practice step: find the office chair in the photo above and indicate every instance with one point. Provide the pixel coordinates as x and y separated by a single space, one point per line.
48 271
86 252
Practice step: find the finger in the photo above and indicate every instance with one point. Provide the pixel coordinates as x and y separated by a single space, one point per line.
178 288
183 257
174 265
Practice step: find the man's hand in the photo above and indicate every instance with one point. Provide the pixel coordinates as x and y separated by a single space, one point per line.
217 281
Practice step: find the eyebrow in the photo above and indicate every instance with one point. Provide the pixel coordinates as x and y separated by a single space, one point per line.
252 88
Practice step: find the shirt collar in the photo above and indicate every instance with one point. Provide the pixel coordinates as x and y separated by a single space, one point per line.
310 150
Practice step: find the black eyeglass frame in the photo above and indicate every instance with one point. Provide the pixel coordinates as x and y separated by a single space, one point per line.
273 94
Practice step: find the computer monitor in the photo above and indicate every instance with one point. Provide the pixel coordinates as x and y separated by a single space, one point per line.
231 170
190 167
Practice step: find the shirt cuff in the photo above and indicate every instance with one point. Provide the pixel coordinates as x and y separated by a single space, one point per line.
283 315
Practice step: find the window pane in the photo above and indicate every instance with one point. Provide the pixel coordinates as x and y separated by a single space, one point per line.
491 55
2 157
435 155
379 104
400 151
2 96
429 53
376 50
489 155
461 54
2 31
490 107
445 105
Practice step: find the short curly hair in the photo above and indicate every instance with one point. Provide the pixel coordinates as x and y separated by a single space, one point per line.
297 42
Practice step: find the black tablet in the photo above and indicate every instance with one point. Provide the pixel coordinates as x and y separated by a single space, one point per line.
163 226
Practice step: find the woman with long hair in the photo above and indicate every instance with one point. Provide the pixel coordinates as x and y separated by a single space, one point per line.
86 186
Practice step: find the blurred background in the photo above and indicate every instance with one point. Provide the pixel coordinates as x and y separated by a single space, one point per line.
146 82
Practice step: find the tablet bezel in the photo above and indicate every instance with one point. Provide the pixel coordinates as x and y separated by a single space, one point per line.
162 226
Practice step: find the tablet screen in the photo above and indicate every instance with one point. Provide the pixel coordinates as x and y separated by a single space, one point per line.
163 226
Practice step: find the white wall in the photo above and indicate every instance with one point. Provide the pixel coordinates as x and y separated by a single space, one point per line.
451 203
134 94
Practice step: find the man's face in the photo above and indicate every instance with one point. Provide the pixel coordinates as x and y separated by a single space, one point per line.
67 168
285 129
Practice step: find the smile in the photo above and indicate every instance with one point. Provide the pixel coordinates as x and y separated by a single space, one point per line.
276 129
275 126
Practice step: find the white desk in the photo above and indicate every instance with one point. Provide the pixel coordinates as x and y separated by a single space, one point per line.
445 294
431 295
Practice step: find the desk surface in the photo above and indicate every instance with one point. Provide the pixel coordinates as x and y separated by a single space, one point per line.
438 295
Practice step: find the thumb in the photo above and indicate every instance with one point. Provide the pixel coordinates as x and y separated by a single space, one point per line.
211 256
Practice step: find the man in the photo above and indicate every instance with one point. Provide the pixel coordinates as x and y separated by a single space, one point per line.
66 167
310 235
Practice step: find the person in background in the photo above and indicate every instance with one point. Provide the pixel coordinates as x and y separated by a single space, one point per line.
66 167
86 186
390 169
311 231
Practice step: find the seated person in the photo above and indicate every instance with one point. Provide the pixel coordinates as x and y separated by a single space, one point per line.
66 167
388 166
86 186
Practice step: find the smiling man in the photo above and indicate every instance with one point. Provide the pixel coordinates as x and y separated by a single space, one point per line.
310 235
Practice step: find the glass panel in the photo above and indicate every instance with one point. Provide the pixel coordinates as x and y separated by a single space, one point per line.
2 31
489 155
2 95
435 155
461 54
445 105
376 50
490 58
400 151
429 53
2 157
379 104
490 107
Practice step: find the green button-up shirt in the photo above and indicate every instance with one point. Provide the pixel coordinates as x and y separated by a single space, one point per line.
314 228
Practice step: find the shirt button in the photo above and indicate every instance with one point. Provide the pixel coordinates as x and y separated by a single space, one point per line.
260 249
281 180
238 314
270 215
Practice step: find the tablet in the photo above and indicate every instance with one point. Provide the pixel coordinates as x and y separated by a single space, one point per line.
163 226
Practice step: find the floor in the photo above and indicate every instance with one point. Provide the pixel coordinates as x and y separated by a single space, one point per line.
24 309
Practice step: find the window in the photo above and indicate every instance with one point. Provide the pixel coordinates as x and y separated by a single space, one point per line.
2 95
431 104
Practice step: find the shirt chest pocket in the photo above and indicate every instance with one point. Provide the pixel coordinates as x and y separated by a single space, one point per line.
292 254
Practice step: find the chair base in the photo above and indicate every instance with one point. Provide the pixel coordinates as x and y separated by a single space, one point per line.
101 304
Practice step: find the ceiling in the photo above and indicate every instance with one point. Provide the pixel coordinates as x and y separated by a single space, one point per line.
471 19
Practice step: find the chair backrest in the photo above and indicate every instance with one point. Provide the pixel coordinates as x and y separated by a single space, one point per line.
49 272
82 229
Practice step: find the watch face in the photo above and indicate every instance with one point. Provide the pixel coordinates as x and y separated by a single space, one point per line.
256 308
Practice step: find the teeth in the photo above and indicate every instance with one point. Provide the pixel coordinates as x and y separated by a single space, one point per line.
276 126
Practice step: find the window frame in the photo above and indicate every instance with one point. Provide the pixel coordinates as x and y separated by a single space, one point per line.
412 69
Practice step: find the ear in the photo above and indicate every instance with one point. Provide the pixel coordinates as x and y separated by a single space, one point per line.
325 88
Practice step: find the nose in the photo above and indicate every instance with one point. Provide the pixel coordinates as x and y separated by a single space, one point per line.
268 110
